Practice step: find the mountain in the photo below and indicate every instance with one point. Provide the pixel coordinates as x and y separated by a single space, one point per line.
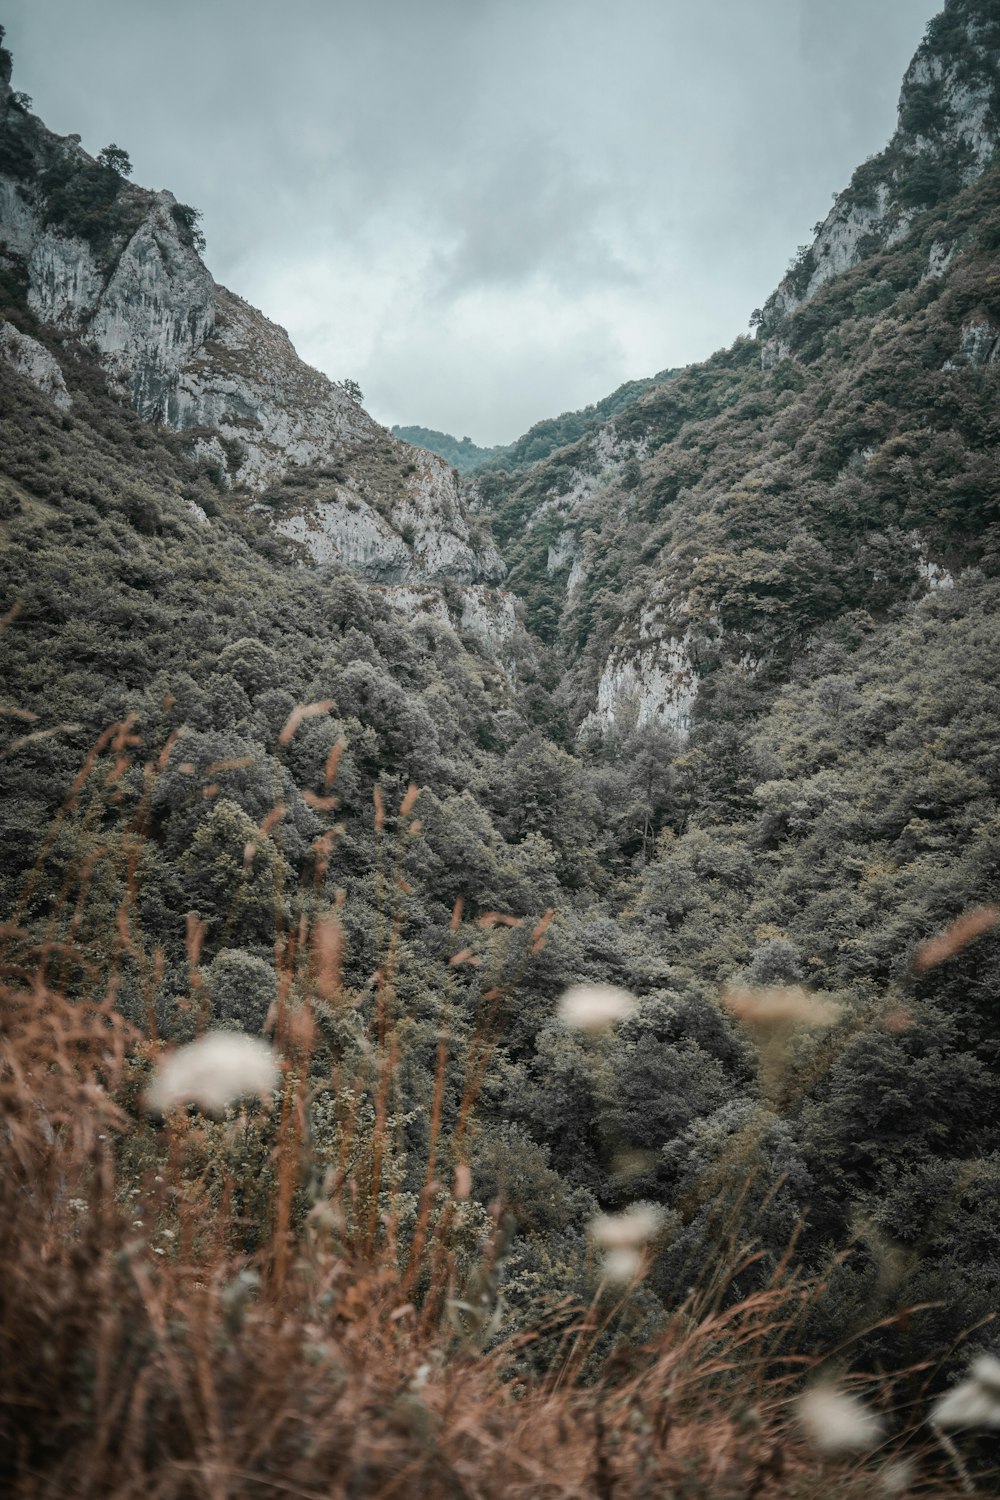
117 268
727 739
948 122
541 439
462 455
832 468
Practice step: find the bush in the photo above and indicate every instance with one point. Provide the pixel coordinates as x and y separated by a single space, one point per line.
243 989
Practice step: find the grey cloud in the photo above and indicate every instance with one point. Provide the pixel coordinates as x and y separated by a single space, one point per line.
485 210
532 211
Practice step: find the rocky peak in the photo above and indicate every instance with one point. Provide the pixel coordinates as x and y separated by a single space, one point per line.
118 267
947 130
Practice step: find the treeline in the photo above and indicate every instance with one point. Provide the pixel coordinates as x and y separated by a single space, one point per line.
541 439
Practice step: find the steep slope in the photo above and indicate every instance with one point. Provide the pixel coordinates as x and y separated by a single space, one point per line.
839 465
117 268
948 123
791 555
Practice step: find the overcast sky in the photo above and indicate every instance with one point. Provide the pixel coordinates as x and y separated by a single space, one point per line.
484 211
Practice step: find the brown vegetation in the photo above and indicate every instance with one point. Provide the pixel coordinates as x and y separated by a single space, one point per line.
198 1307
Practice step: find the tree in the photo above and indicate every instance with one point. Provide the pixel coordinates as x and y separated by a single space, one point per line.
187 220
243 989
115 159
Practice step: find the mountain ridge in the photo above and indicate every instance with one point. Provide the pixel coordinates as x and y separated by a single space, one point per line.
669 543
95 258
542 438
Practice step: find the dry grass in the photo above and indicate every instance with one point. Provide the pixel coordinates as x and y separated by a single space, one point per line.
137 1364
190 1311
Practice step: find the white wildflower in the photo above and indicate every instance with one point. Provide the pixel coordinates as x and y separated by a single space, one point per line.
835 1423
627 1231
212 1072
622 1237
976 1401
595 1007
622 1264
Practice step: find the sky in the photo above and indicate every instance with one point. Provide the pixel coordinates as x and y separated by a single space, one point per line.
486 212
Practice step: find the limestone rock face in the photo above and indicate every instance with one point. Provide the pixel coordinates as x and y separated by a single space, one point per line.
656 683
979 344
155 313
32 360
394 527
945 121
245 382
189 353
488 614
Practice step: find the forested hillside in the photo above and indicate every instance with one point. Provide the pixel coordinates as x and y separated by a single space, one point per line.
738 757
541 439
462 454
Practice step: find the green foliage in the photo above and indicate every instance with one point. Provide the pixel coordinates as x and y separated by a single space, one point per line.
17 156
115 159
88 199
243 990
463 455
801 269
836 801
187 220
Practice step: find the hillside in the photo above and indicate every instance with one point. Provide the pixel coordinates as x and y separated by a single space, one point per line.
280 756
541 439
825 467
462 454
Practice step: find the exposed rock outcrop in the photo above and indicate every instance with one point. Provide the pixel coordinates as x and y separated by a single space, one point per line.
947 131
653 682
189 353
486 613
979 344
32 360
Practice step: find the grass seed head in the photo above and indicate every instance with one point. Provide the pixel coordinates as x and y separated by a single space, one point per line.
779 1007
975 1402
629 1230
212 1072
622 1265
836 1423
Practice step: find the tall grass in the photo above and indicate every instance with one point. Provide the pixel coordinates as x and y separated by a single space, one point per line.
205 1309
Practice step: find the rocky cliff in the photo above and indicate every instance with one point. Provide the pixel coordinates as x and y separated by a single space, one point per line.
947 131
118 268
832 467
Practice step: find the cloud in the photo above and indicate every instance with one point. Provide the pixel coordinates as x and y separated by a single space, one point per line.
533 212
486 211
